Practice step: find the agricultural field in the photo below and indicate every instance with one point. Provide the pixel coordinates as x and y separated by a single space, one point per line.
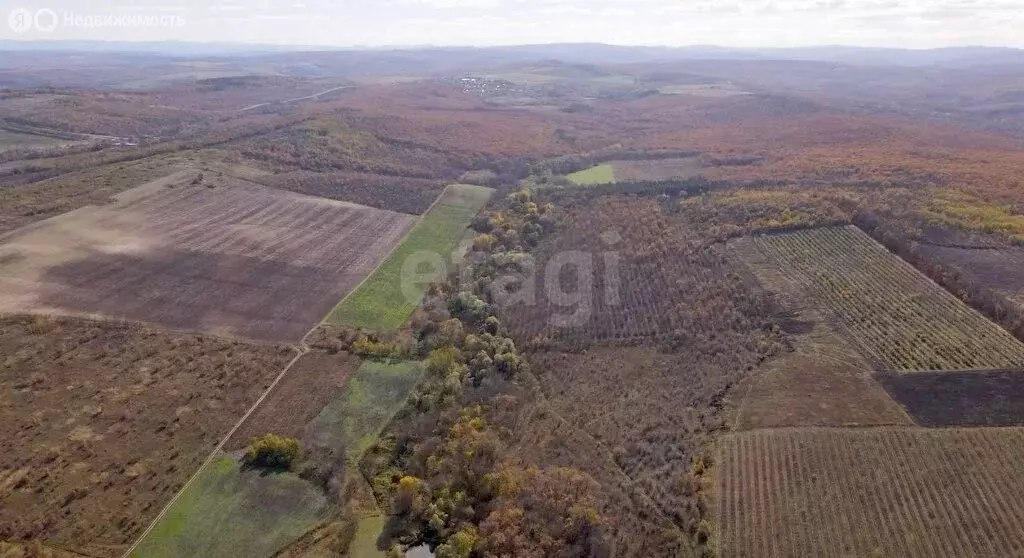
102 422
393 193
234 511
310 384
25 204
897 316
382 301
351 422
642 278
598 174
17 140
641 170
976 398
682 168
211 254
677 321
870 492
822 380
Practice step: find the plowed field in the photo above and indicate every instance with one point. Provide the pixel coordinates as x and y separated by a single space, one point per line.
224 256
871 492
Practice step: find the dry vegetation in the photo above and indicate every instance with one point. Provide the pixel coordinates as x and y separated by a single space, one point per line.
200 253
823 381
897 316
871 492
393 193
990 398
103 422
642 278
311 383
687 325
657 169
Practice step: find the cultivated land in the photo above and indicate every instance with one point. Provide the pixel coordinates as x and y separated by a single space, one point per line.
636 394
101 423
599 174
222 256
651 332
903 321
311 383
823 380
975 398
656 169
233 511
871 492
645 278
351 423
382 301
994 268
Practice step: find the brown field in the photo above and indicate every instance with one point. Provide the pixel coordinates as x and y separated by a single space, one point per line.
225 256
998 269
639 527
650 281
871 492
100 423
600 392
311 383
393 193
975 398
899 318
823 381
34 549
657 169
21 205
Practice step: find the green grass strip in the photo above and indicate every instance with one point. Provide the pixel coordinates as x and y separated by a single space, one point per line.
365 543
229 513
600 174
380 303
372 396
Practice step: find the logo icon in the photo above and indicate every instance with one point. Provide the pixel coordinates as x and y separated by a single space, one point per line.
21 20
46 20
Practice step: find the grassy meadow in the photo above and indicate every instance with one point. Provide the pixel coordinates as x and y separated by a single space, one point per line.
372 396
600 174
231 512
380 303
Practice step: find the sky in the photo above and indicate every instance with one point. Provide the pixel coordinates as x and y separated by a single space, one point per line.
736 23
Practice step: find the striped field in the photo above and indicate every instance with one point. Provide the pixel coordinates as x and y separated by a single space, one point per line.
871 492
902 320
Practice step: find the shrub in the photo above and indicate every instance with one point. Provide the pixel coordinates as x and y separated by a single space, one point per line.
468 307
273 451
484 242
368 347
492 325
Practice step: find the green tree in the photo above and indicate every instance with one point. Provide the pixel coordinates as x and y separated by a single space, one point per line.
273 452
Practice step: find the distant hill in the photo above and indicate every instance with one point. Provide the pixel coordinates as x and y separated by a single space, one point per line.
403 59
